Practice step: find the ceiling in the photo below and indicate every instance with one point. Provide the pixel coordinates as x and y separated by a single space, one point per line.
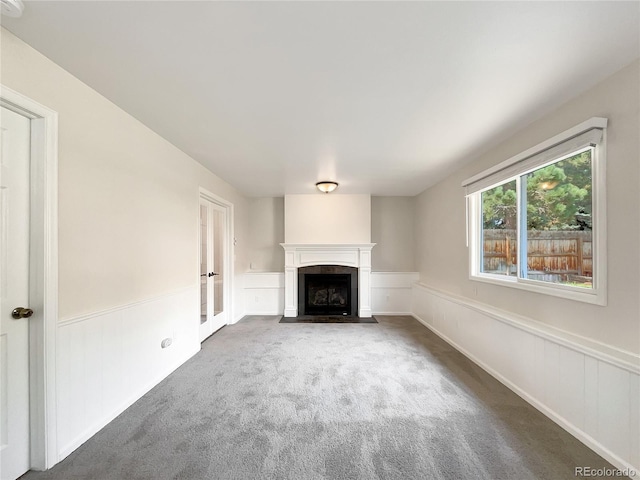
384 97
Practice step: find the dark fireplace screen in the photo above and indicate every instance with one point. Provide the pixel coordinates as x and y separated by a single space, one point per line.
328 294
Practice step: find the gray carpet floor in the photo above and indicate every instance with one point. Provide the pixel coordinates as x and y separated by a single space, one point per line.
266 400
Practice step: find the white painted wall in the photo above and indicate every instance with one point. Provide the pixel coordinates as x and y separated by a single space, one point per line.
442 256
392 230
128 246
327 218
266 233
128 198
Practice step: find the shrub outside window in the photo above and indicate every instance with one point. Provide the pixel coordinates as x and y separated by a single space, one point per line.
536 221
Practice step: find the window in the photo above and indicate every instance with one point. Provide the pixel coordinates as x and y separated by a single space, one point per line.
536 220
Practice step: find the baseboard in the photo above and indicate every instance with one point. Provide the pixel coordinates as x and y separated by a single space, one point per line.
393 313
265 312
515 366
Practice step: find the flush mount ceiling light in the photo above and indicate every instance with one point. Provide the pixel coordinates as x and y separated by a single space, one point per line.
326 186
11 8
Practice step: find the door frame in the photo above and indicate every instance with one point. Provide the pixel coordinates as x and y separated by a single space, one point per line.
229 275
43 275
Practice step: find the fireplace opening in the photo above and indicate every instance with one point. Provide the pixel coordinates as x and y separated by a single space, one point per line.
327 290
327 294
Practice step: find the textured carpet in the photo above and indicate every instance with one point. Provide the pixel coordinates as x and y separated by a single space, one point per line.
265 400
327 319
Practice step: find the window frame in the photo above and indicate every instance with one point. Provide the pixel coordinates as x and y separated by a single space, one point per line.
598 293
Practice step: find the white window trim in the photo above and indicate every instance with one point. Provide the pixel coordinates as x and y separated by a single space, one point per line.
596 295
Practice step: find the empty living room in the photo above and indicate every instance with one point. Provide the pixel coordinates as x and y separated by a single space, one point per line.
310 240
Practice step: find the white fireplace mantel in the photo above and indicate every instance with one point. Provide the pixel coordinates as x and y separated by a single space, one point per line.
307 254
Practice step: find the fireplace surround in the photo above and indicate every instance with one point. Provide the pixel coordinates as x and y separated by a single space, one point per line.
353 255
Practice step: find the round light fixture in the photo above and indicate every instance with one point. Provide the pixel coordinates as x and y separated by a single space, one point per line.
326 186
11 8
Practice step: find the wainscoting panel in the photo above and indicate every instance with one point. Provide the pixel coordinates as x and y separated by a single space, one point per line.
264 293
590 389
390 291
107 360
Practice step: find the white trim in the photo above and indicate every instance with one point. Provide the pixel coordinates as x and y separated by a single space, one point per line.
107 311
43 275
263 280
554 290
594 122
614 356
597 295
327 246
599 220
229 294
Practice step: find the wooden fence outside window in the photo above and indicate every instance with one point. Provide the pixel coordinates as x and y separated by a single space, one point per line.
555 256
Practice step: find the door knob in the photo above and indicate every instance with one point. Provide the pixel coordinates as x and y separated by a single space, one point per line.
21 312
213 273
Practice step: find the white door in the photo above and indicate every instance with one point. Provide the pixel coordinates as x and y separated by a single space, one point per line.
213 268
14 294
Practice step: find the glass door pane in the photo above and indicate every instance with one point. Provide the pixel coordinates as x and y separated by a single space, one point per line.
204 224
214 269
218 260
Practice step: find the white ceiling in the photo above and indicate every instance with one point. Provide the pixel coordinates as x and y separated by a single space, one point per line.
385 98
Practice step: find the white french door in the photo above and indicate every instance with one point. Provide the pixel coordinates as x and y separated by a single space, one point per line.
214 267
15 139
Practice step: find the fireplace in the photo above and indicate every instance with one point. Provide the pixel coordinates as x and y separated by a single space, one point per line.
328 290
356 256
